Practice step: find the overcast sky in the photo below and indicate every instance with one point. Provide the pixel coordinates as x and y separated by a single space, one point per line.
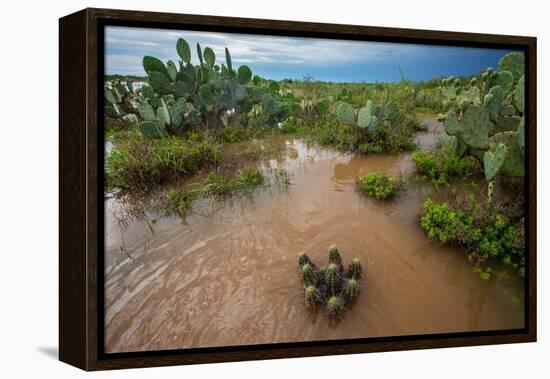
277 57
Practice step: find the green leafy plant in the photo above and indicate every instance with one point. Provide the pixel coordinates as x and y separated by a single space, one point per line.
378 185
481 235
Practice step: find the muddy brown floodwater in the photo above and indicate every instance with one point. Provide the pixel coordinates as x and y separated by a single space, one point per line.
230 277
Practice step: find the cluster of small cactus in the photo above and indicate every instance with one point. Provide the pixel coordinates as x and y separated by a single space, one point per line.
485 119
330 286
180 96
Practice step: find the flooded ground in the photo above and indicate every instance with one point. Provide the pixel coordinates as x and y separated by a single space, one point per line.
229 275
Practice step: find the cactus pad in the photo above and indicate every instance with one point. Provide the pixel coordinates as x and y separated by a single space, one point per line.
172 70
521 136
451 124
513 164
474 127
183 50
160 83
344 113
152 64
150 129
449 143
519 95
505 79
513 62
244 74
146 112
493 160
209 57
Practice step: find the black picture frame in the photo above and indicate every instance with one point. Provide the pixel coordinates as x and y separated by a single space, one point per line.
81 188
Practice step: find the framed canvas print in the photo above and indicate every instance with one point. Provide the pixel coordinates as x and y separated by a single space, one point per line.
237 189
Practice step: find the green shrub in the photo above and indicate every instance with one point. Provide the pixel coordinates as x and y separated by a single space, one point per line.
139 163
288 127
442 166
482 236
377 185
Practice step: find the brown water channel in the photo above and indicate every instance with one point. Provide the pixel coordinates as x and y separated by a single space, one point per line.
230 277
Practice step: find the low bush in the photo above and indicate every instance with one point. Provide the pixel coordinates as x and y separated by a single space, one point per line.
482 235
377 185
441 166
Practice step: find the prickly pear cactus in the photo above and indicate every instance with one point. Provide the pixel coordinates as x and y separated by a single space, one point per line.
514 164
513 62
505 79
451 123
521 136
183 50
151 129
160 83
519 95
493 100
493 160
474 127
449 143
366 119
152 64
146 112
344 113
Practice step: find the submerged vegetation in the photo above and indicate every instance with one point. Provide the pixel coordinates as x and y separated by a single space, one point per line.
330 287
378 185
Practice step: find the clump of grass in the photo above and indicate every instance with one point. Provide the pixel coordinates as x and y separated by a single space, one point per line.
442 166
178 202
141 164
217 185
378 185
482 235
239 133
368 148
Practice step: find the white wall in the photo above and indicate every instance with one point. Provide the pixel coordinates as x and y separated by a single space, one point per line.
28 211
